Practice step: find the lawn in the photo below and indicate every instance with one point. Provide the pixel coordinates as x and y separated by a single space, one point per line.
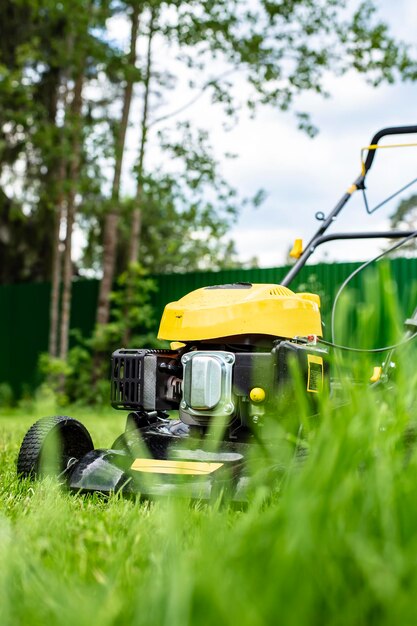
332 541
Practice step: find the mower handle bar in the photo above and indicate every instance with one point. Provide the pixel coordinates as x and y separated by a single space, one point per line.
374 234
358 184
317 241
391 130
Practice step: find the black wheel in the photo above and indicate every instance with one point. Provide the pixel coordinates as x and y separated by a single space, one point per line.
49 445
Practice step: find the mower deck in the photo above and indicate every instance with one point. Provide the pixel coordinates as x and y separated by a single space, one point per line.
152 464
155 460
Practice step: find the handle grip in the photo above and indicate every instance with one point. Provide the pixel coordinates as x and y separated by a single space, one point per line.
392 130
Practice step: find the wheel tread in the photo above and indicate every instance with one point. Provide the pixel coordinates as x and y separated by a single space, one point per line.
31 447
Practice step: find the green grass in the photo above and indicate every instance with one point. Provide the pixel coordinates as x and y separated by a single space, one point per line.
336 543
332 541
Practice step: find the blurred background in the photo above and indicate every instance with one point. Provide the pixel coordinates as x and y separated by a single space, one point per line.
150 148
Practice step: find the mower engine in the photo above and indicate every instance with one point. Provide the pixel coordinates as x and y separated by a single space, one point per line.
241 374
204 384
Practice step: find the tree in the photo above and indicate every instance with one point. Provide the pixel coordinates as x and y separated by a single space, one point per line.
187 213
111 220
274 50
282 49
139 169
84 53
60 122
29 75
405 218
269 51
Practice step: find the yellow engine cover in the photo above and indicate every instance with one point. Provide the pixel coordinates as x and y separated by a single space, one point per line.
241 309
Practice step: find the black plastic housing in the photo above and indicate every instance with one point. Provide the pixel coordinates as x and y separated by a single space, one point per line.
311 363
274 372
140 379
151 380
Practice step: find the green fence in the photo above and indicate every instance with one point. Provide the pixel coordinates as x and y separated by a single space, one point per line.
24 308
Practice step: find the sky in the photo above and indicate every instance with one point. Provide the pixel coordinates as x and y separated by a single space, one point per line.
301 175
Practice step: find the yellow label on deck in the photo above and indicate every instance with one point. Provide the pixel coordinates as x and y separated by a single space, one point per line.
315 373
161 466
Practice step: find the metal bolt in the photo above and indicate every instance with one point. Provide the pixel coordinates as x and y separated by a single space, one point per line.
229 358
229 408
183 404
255 419
185 358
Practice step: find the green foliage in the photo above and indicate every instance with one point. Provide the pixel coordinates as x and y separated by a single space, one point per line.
131 311
405 214
328 539
46 44
6 396
186 213
276 49
84 377
405 218
286 48
56 371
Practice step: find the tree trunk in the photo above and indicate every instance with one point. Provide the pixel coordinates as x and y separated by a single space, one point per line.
136 226
134 244
56 264
74 170
112 218
59 196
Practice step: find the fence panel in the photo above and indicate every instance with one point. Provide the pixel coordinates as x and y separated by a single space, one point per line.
24 308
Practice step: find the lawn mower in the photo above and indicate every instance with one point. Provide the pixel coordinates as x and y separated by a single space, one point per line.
195 410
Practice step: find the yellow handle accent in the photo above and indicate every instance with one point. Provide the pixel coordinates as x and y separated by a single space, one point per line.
376 374
297 249
376 146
